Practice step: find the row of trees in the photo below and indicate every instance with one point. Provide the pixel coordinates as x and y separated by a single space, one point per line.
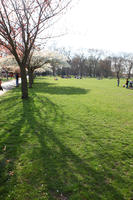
41 61
93 63
23 28
98 63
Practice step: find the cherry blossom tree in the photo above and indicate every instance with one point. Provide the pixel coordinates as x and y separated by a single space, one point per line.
38 60
22 25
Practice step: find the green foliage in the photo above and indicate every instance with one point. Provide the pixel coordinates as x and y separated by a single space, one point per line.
71 140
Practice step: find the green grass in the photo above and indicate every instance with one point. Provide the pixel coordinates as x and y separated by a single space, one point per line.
71 140
5 79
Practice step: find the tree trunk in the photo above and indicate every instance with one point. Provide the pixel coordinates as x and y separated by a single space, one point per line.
24 87
128 75
118 78
53 71
129 71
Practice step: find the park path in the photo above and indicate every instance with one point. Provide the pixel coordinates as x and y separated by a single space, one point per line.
8 85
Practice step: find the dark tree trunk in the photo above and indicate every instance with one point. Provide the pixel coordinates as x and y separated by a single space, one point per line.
81 72
24 87
128 75
54 71
129 71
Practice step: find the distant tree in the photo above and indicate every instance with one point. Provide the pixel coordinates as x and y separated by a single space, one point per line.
104 68
128 62
6 63
57 61
78 64
66 70
130 67
94 55
118 67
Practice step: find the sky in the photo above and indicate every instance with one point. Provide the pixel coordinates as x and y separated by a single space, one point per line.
100 24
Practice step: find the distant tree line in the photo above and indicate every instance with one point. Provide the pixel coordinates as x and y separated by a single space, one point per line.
97 63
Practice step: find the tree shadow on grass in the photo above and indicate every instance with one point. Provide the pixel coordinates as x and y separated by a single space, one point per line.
58 90
14 143
53 88
11 144
66 174
44 165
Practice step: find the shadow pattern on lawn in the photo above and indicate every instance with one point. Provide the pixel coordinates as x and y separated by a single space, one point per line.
52 88
48 168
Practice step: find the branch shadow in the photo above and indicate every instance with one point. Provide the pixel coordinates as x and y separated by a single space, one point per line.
11 144
65 173
46 164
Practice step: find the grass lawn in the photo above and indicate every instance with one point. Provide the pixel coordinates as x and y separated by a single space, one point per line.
5 79
71 140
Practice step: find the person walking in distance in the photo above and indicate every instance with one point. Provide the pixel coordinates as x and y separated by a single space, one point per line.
118 82
127 81
17 76
0 85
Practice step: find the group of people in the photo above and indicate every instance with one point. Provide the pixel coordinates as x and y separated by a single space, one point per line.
128 84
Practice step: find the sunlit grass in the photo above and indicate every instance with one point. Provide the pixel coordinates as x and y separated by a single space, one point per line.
5 79
71 140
